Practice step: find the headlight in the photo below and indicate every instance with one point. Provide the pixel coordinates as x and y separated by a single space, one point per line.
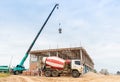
81 68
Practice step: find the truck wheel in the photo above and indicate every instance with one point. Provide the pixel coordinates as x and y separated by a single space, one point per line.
47 73
16 72
75 73
55 73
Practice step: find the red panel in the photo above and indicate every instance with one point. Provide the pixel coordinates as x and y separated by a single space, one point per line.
55 61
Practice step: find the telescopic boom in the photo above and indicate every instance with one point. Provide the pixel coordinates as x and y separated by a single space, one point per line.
19 68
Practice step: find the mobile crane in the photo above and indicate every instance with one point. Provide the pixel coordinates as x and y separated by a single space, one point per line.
20 68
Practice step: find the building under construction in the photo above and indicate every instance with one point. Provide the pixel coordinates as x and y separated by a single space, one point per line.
65 53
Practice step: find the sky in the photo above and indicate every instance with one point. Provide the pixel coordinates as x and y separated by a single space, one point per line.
92 24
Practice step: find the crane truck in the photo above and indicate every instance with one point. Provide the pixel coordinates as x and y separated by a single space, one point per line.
55 66
20 68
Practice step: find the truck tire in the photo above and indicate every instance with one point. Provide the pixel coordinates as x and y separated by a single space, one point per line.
16 72
47 73
75 73
55 73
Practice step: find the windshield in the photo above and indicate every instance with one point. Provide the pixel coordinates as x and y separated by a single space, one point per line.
77 62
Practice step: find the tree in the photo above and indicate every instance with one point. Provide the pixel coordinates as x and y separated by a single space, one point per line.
118 72
104 71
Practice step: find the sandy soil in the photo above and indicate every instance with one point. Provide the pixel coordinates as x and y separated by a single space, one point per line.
89 77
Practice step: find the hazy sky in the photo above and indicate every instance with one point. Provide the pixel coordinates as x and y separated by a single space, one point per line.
92 24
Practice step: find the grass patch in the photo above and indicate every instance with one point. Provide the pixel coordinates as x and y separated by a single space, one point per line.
4 74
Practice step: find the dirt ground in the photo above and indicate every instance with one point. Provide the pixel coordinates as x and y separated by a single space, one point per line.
89 77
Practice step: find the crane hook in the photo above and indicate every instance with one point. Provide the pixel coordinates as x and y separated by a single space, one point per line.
60 29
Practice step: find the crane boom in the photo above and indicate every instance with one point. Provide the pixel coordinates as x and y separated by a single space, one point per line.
19 68
26 55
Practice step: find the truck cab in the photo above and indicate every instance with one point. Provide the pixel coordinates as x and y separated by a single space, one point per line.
76 67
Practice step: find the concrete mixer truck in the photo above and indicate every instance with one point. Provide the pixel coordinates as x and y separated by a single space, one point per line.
55 66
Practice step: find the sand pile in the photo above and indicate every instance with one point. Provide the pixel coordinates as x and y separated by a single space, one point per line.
93 75
88 77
